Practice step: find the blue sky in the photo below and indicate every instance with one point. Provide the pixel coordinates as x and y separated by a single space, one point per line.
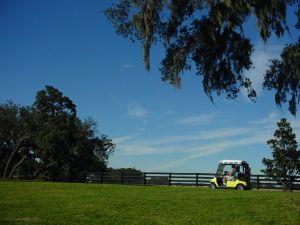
71 46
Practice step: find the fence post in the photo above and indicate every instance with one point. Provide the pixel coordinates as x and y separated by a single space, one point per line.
170 178
197 179
101 177
145 178
291 184
122 177
257 182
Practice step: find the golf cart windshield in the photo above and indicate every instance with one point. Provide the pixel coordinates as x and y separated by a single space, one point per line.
220 170
239 167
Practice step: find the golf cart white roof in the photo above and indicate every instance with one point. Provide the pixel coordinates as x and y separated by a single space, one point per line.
231 162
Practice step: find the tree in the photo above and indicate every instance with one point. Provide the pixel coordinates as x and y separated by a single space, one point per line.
68 147
16 137
285 164
48 140
206 34
283 76
91 152
56 115
127 171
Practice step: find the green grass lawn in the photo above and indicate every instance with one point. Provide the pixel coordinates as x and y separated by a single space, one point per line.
66 203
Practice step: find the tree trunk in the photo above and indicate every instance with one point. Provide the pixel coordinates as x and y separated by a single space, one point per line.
284 184
16 166
29 168
36 173
13 154
8 161
291 181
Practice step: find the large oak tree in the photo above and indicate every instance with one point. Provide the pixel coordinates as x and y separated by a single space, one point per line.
48 140
209 35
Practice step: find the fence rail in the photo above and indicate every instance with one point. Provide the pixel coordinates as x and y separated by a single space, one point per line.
257 181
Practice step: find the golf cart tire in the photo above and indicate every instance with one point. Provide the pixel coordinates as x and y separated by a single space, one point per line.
212 186
240 187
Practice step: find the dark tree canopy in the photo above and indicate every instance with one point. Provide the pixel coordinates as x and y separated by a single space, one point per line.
51 102
283 76
48 140
207 34
285 164
16 137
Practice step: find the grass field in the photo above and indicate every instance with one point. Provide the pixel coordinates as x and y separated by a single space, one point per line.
67 203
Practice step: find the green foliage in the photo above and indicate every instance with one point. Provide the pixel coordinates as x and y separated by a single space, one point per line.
285 164
127 171
283 77
16 136
74 203
48 140
207 34
56 115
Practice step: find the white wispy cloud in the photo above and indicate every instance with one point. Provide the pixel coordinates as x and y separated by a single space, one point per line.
128 66
202 143
142 129
204 135
177 143
213 149
121 139
196 120
170 112
137 111
268 120
134 150
225 132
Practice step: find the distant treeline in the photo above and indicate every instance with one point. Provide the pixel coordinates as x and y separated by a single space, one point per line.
47 140
125 170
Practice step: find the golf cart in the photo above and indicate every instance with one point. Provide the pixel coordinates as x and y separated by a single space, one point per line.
232 174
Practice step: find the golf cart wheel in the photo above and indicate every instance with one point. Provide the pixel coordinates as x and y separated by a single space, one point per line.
212 186
240 187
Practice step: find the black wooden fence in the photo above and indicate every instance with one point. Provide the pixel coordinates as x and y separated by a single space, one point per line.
187 179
